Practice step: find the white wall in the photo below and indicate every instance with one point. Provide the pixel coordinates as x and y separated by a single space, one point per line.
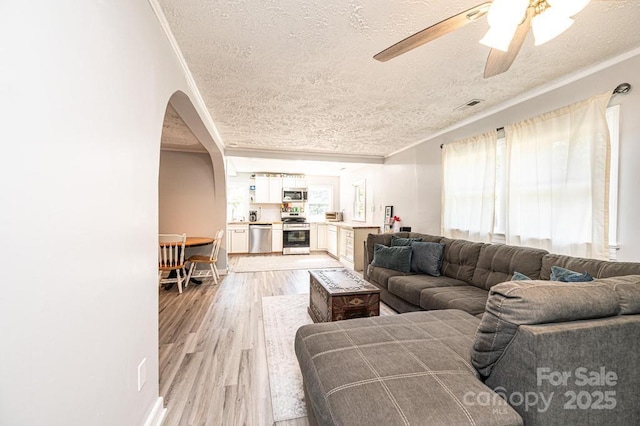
411 180
372 174
84 89
186 194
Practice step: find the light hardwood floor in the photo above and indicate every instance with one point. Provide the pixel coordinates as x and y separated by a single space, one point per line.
213 364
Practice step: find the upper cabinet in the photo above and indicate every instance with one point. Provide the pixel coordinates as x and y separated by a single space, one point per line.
294 182
275 190
268 190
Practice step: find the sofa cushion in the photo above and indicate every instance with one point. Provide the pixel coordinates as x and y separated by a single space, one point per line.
498 262
412 368
628 290
426 258
424 237
595 268
617 269
409 287
384 239
396 258
397 241
591 266
467 298
568 276
460 259
380 276
515 303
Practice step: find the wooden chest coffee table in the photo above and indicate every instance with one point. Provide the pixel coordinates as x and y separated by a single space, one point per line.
339 294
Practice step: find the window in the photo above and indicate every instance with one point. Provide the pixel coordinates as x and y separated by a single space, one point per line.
359 201
469 181
237 201
550 182
319 201
613 121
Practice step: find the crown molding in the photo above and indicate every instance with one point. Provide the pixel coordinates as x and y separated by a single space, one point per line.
198 100
297 155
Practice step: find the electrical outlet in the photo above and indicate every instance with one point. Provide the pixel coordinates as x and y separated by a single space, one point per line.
142 373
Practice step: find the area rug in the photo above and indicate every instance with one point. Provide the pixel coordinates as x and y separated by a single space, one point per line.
282 316
283 263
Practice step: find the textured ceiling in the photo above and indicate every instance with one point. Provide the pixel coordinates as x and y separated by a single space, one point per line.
298 75
176 134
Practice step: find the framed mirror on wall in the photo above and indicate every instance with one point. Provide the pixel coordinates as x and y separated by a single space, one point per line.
359 201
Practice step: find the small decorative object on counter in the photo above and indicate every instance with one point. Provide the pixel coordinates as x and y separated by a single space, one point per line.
396 224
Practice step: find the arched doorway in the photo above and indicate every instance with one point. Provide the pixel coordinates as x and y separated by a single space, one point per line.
191 199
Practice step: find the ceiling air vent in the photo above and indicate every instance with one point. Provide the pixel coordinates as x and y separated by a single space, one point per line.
468 104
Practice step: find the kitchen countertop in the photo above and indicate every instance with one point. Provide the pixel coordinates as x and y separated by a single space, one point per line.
353 225
350 225
260 222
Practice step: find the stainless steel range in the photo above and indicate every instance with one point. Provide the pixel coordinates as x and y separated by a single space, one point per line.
296 235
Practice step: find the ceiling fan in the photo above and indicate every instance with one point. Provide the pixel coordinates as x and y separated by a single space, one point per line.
509 24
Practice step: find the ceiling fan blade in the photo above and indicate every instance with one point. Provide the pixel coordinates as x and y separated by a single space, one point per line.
433 32
499 61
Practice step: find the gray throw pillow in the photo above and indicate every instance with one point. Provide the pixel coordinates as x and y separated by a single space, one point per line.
517 276
567 276
396 258
397 241
426 257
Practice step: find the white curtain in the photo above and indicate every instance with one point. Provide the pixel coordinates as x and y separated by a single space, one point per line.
557 180
468 191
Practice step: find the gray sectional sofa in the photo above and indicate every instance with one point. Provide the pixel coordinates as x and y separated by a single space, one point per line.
468 272
482 350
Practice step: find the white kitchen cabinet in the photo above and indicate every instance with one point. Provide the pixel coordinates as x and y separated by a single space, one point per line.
262 189
351 241
276 237
321 242
293 182
275 190
238 238
313 236
318 236
268 190
332 240
346 245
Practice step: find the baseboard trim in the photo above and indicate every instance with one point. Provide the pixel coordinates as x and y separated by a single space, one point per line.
156 417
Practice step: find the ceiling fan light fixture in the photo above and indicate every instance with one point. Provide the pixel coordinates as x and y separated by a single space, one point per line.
568 8
499 37
548 25
504 17
507 12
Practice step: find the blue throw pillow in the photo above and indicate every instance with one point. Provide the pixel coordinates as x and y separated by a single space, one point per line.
517 276
396 258
426 257
397 241
566 276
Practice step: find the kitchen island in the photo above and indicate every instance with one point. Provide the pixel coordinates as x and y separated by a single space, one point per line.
345 242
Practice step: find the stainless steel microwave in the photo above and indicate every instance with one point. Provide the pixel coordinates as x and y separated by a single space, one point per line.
294 194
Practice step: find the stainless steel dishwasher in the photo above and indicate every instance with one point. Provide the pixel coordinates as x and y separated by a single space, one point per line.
260 239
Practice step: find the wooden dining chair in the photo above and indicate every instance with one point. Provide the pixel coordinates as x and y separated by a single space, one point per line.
171 258
210 260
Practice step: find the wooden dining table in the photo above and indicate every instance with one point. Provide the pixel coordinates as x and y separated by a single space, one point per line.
198 241
193 242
